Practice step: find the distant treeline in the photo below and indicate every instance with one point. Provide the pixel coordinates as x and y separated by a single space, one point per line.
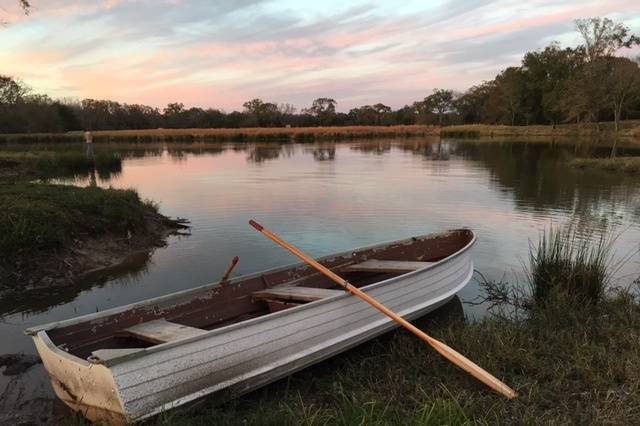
554 85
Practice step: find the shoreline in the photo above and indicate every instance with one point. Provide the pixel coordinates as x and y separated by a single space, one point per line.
298 134
60 236
630 130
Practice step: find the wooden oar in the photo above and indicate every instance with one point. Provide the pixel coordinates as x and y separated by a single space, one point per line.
449 353
232 265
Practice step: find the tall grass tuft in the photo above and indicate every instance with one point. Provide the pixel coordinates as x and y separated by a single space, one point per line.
563 263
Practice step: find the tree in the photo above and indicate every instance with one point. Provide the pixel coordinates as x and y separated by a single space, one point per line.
174 108
602 80
622 83
324 109
509 85
11 91
263 114
440 102
471 106
544 74
603 37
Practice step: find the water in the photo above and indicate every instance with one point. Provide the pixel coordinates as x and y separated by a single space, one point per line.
329 197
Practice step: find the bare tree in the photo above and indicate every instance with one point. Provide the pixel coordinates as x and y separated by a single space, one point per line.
623 83
603 37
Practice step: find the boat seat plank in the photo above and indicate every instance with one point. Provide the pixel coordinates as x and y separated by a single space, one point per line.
375 265
109 354
298 294
162 331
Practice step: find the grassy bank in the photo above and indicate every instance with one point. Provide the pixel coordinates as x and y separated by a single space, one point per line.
243 134
29 165
618 164
38 216
53 235
568 366
629 129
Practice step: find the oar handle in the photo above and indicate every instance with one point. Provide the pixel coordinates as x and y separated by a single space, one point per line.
232 265
446 351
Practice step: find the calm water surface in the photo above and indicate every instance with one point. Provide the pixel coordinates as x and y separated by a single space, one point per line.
330 197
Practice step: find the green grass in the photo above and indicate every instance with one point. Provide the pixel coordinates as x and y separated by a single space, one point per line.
41 216
460 133
52 164
568 263
629 165
582 371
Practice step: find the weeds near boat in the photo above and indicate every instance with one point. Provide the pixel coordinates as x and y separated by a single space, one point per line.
567 263
629 165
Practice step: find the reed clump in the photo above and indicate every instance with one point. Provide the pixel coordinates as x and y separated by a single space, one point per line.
565 262
629 165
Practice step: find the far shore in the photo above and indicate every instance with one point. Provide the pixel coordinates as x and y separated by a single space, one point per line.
630 130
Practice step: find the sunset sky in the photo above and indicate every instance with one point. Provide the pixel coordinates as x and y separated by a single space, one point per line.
221 53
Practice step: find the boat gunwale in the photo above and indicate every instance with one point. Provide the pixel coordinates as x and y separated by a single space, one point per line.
39 331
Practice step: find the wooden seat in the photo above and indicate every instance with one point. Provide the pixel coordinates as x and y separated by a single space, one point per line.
298 294
161 331
375 265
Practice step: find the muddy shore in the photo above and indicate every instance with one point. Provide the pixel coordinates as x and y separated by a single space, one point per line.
94 236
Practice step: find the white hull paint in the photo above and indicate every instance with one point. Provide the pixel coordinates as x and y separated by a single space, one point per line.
241 357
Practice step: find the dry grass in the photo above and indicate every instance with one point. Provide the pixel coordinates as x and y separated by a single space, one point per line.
618 164
629 128
244 134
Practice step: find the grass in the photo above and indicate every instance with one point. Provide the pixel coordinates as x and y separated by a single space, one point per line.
242 134
40 216
629 165
460 132
629 128
565 262
50 164
582 368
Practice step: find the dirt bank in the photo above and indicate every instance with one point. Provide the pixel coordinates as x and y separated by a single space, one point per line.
54 236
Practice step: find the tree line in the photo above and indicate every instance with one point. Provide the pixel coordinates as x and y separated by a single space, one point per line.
588 83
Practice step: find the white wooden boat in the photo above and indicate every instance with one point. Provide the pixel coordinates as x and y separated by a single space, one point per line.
129 363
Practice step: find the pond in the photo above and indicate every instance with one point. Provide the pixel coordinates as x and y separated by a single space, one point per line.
333 196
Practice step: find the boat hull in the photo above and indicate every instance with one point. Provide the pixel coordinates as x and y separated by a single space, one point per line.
238 358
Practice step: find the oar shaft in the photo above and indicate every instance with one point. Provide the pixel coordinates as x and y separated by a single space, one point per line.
232 265
449 353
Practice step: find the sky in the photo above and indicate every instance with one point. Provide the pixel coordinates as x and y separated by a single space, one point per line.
221 53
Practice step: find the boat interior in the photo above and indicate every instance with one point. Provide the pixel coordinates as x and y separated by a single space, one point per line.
194 312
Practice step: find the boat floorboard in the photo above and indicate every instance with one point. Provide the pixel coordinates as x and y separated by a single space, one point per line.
161 331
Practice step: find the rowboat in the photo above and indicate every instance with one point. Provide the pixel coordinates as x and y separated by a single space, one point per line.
224 339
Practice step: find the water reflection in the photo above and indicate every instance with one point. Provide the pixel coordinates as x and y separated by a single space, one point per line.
34 301
375 190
